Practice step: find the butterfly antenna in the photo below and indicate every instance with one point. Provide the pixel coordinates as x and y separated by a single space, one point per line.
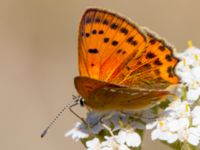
76 100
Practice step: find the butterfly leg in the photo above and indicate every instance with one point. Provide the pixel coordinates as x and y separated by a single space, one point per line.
78 100
106 116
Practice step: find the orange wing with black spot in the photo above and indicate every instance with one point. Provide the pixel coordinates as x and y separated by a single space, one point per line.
106 43
114 50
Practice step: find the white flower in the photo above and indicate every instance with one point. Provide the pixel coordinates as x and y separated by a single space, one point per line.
196 116
189 69
93 144
109 143
193 94
163 135
130 138
78 132
175 124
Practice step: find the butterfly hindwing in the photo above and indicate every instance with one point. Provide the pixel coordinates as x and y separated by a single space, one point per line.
100 95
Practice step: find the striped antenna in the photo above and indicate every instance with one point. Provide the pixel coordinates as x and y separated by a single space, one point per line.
76 100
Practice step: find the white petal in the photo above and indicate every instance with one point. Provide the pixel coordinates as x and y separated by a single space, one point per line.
183 123
195 131
173 125
121 138
186 77
196 72
151 125
123 147
196 111
78 132
94 143
106 148
155 134
171 138
196 121
192 139
166 136
133 140
193 94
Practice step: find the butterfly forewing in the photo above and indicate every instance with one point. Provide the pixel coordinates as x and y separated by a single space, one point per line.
106 43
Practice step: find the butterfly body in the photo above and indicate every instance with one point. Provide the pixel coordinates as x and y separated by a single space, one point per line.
122 67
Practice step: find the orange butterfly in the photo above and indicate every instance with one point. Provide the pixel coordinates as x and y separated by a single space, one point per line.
122 67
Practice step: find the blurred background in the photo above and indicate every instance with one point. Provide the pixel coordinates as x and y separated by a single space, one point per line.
38 61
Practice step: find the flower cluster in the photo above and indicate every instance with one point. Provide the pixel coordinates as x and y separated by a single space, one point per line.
178 121
108 131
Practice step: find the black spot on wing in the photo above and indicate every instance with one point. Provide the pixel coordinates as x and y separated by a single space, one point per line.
158 62
170 71
88 20
152 41
97 20
134 43
101 32
168 57
105 22
119 51
128 68
114 26
87 34
106 40
129 40
150 55
124 30
161 47
114 43
93 51
147 66
124 52
94 31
